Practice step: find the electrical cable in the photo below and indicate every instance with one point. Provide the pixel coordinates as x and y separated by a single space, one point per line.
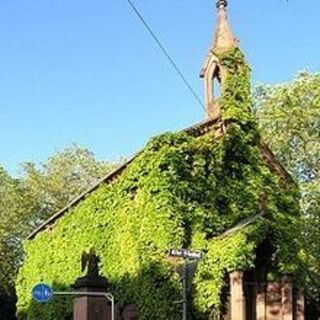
166 53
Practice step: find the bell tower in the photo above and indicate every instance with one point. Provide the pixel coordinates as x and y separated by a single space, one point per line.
213 72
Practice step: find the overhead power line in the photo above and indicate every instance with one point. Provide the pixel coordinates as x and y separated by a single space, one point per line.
166 53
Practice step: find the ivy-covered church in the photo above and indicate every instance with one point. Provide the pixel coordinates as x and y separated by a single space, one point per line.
214 187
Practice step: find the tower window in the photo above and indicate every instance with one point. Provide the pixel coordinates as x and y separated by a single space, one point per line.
216 85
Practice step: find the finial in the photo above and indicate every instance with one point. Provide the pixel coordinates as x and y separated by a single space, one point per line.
222 3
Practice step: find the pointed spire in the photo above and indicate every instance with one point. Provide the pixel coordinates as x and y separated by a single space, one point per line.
224 38
212 70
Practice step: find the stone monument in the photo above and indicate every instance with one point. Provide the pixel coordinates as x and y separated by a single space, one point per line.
91 307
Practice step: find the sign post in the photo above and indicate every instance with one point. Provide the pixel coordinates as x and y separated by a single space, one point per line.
187 255
43 293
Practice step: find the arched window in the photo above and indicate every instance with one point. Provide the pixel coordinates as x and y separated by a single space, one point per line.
216 84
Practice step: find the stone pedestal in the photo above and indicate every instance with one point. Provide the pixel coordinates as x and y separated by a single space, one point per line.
237 298
91 307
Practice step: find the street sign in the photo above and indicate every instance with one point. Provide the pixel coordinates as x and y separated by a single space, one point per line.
42 293
186 254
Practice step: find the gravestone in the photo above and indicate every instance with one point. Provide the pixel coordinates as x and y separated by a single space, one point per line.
130 312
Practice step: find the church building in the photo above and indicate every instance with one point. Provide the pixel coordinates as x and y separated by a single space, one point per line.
214 187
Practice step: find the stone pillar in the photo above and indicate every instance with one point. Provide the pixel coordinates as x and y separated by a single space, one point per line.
90 307
299 305
274 301
287 297
261 302
237 298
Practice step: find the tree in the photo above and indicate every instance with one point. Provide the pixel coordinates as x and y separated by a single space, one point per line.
16 204
289 117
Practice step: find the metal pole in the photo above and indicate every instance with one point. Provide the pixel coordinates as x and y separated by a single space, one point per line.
185 290
108 296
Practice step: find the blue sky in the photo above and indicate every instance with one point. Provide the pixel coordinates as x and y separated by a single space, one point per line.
87 72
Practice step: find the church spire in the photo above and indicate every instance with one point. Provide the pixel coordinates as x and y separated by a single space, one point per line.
224 38
213 73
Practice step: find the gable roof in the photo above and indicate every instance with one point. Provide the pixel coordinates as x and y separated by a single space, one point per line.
197 130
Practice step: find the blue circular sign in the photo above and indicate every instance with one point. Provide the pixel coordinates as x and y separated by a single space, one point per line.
42 293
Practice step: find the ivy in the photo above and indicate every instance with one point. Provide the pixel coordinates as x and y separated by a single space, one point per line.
180 191
225 254
236 94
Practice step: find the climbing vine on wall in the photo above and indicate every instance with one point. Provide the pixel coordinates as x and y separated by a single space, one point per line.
180 191
236 96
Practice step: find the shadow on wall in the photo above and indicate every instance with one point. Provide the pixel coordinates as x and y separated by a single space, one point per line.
153 291
312 311
8 304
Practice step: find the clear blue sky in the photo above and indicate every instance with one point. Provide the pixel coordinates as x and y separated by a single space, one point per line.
86 71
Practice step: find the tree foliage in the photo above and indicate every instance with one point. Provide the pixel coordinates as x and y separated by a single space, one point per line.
289 117
15 205
61 178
